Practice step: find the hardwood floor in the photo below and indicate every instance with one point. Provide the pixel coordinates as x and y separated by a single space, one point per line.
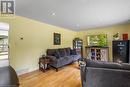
68 76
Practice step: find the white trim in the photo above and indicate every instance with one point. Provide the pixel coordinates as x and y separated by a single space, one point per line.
25 70
4 26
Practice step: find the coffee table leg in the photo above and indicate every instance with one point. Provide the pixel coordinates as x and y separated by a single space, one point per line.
43 67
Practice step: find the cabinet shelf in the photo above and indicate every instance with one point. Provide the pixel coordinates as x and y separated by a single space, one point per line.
77 45
97 53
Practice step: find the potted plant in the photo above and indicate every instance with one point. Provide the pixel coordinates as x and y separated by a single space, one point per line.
116 36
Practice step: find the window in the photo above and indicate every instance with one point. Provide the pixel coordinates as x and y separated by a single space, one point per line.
4 44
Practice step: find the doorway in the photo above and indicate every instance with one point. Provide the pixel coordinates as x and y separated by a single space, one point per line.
4 30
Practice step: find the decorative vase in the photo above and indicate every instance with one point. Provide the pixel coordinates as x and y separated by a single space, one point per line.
116 38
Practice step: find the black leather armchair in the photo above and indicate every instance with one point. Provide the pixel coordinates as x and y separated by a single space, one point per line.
104 74
8 77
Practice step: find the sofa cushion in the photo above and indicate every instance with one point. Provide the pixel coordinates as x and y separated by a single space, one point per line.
62 52
51 52
64 61
57 54
103 64
76 57
68 51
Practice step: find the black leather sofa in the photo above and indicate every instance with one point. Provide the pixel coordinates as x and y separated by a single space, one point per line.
62 56
8 77
104 74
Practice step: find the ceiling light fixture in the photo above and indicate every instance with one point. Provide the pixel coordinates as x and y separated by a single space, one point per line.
53 14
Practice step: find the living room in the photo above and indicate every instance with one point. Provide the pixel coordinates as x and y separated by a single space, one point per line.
29 39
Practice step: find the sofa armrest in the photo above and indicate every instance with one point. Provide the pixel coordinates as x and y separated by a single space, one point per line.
83 72
73 52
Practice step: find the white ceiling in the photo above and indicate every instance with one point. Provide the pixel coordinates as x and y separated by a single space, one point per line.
76 14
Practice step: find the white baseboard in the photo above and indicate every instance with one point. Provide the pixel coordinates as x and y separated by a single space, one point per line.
25 70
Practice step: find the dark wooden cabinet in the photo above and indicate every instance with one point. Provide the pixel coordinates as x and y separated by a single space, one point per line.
121 51
78 45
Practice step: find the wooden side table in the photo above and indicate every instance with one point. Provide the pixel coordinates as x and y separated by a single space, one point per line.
44 63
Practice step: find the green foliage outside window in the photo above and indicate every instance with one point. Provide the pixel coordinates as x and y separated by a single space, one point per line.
97 40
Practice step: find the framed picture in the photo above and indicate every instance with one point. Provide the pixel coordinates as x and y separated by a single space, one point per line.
57 39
